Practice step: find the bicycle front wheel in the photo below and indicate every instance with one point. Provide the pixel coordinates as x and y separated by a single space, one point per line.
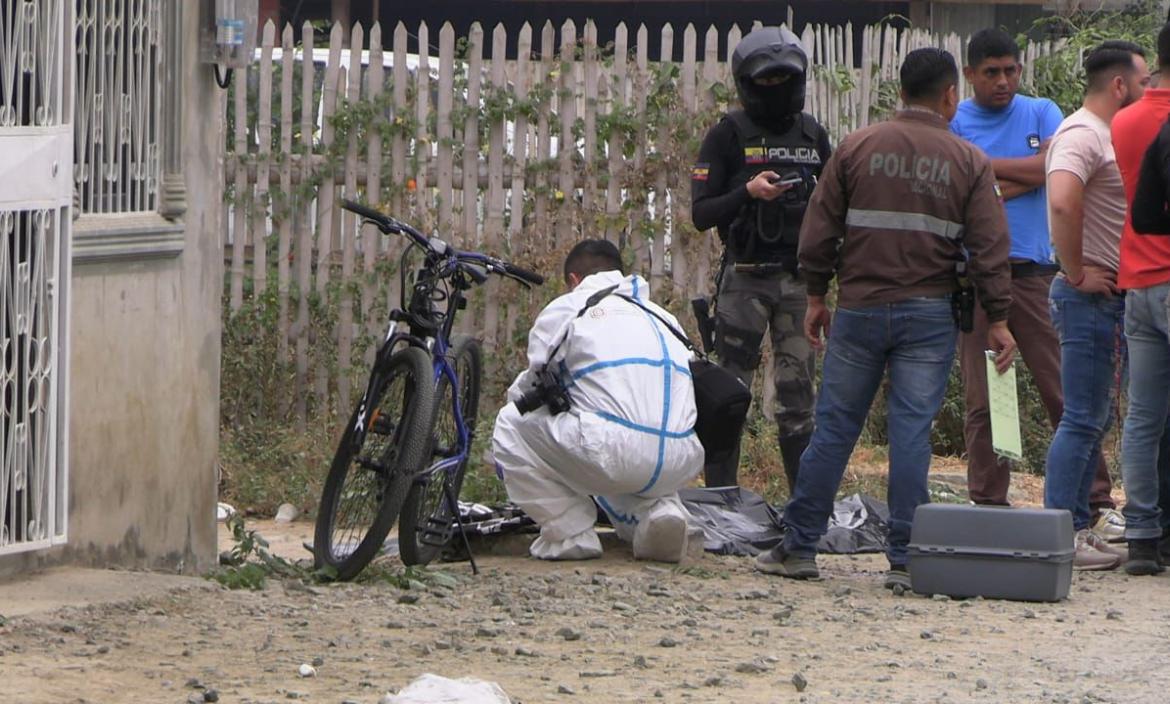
427 524
374 464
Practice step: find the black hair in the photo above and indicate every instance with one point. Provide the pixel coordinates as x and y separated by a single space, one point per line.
991 44
591 256
927 73
1164 46
1108 59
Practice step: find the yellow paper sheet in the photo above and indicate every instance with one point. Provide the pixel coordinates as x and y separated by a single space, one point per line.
1004 407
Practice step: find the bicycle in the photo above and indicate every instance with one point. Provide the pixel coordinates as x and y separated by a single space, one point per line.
409 438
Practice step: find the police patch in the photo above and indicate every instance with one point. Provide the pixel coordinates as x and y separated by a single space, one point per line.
1033 141
699 173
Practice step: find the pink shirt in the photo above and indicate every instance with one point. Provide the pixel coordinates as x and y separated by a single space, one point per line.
1083 147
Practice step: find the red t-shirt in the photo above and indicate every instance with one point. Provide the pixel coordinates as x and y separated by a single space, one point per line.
1145 259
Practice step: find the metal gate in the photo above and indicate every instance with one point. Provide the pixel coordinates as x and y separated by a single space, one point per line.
36 177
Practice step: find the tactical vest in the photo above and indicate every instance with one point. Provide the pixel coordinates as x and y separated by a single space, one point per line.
769 231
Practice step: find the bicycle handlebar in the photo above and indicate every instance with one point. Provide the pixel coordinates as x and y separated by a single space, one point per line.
521 273
381 220
389 225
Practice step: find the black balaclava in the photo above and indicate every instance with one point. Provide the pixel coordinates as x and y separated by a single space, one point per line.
767 52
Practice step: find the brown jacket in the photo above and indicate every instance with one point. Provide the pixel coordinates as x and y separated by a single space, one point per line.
895 207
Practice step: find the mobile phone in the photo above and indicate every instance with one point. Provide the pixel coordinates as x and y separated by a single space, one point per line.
789 180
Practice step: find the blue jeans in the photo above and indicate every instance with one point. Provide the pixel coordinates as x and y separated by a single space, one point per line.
1089 326
1142 468
915 340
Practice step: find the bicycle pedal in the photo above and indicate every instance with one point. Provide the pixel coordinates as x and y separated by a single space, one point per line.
437 532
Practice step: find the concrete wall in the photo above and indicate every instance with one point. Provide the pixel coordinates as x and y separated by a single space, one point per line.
144 375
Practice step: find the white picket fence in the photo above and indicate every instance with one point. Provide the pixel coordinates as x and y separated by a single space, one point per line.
471 144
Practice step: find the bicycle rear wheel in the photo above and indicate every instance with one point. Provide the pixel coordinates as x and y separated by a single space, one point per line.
372 468
427 524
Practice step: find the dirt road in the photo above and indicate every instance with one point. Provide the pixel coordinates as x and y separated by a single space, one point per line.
612 630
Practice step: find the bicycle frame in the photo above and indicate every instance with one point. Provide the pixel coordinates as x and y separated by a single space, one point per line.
443 367
439 348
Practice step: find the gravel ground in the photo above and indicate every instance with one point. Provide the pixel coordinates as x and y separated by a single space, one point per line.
611 630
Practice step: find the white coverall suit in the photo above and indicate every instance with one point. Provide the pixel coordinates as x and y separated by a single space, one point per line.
628 439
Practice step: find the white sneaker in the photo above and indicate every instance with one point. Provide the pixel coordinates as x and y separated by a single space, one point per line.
1110 526
1088 557
1101 545
661 535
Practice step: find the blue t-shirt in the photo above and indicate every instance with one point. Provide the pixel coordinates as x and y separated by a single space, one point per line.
1009 133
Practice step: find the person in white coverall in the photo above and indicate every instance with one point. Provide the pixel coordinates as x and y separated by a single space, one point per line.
628 438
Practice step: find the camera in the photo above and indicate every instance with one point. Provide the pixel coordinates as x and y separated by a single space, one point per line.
547 392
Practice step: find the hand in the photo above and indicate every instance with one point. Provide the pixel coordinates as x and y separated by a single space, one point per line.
761 187
1000 341
1095 279
817 319
1013 189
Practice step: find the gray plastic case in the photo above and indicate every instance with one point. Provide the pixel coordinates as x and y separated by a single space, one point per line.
996 553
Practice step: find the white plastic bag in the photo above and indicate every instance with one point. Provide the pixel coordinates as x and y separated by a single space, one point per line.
433 689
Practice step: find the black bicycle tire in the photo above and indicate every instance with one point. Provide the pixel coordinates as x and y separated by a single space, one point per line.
413 439
412 551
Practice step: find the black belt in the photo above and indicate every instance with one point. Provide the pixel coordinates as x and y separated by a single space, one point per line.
1022 270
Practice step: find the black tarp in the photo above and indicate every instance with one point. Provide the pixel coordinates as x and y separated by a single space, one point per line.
735 521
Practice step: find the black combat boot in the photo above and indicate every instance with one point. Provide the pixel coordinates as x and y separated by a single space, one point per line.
791 448
1143 557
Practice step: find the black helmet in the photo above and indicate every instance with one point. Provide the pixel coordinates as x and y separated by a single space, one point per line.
767 52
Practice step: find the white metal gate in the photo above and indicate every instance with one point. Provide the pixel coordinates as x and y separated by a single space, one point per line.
36 177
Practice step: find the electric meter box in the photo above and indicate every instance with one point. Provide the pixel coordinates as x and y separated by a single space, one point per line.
227 32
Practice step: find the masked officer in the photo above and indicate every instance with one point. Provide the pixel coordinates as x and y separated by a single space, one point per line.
756 172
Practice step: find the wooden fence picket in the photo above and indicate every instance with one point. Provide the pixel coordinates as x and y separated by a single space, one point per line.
445 131
240 214
370 237
467 235
681 269
470 190
421 203
263 164
638 216
618 97
348 232
544 179
658 245
592 74
303 255
493 226
286 211
328 215
520 149
566 143
400 114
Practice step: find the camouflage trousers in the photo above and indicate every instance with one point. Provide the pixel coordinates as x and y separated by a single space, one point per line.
752 305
